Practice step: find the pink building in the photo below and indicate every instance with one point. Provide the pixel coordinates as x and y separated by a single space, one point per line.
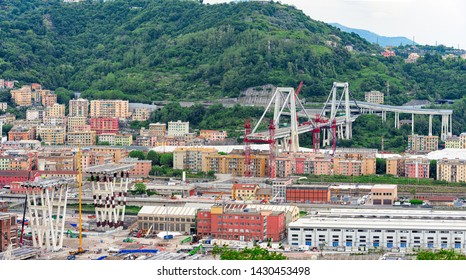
417 168
104 125
213 135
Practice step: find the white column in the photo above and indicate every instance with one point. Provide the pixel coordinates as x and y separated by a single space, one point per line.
347 113
412 124
430 125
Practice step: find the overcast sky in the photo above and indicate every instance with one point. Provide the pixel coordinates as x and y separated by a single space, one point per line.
429 21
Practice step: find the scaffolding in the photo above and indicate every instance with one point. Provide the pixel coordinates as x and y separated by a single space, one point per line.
109 190
46 200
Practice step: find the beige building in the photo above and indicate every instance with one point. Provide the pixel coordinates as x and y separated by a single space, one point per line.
355 161
85 138
56 110
178 128
453 142
157 129
213 135
49 98
160 218
34 115
52 135
3 106
234 164
22 96
384 194
109 109
418 143
396 166
79 107
140 114
123 139
376 97
463 140
451 170
191 158
77 124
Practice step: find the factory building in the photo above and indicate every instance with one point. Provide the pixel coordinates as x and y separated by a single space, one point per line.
392 229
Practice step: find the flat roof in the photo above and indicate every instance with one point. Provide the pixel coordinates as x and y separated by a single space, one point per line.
365 223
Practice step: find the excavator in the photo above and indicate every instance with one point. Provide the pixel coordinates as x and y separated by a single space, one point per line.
196 249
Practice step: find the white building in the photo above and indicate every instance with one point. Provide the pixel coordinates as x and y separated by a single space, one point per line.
393 229
178 129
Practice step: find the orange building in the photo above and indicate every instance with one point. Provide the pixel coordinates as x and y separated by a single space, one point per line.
142 168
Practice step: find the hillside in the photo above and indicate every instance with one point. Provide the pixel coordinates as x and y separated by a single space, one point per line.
374 38
145 50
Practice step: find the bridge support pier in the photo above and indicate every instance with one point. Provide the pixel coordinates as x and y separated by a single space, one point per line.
384 116
430 125
326 141
412 123
397 120
446 127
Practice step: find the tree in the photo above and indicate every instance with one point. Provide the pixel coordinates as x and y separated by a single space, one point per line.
166 159
433 169
255 253
440 255
140 188
154 157
381 166
137 154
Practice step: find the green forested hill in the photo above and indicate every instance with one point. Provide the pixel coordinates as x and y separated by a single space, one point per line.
145 50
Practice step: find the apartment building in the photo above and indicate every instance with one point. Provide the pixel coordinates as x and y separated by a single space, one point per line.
140 114
49 98
84 138
354 162
77 124
55 110
157 129
234 164
79 107
18 133
463 140
417 168
3 106
116 139
451 170
376 97
141 168
35 115
146 141
191 158
22 96
453 142
104 125
116 153
244 191
52 135
109 109
422 143
213 135
396 166
178 128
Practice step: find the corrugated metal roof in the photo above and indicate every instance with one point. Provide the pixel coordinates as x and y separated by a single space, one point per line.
169 210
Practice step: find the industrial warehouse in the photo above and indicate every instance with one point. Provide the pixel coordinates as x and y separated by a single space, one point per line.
387 229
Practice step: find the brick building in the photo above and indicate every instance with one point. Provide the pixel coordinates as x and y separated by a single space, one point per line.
8 231
241 223
307 194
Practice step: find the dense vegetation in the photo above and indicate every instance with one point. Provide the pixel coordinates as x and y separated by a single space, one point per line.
145 50
440 255
255 253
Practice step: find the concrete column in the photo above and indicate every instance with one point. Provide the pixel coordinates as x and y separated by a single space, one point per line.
412 123
384 116
450 132
444 127
430 125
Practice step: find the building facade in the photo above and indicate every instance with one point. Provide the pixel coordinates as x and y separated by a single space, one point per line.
84 138
363 229
191 158
79 108
376 97
451 170
109 109
104 125
52 135
178 128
